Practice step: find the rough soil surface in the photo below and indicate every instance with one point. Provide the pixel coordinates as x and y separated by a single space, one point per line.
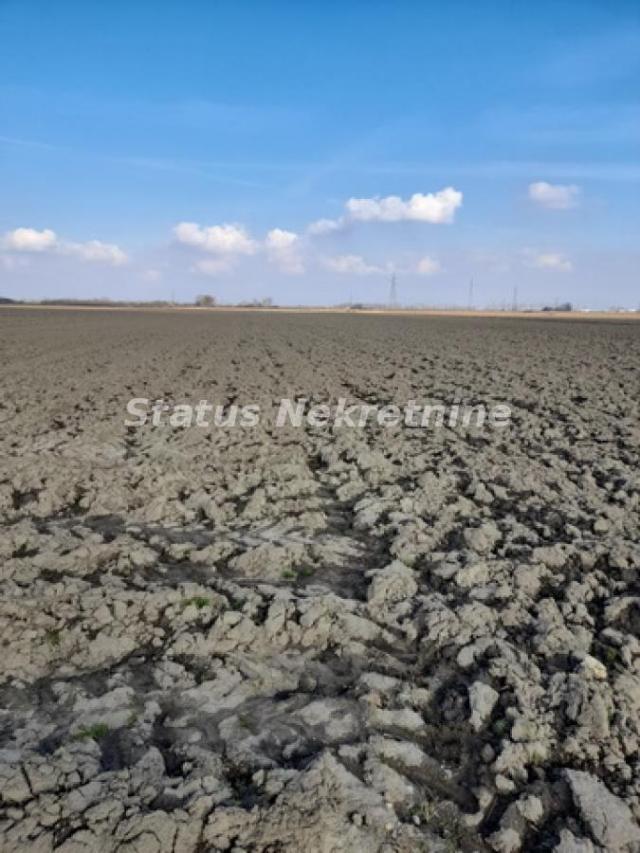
389 639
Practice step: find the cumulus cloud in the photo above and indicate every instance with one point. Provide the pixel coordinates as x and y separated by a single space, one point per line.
46 241
280 240
227 239
428 266
325 226
436 208
351 265
229 242
282 249
30 240
95 250
554 196
550 261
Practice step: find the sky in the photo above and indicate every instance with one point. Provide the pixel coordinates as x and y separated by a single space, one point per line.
307 151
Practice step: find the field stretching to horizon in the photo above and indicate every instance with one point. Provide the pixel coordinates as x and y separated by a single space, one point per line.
400 636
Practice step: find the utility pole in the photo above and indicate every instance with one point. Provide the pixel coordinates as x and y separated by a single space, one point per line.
471 293
393 291
515 298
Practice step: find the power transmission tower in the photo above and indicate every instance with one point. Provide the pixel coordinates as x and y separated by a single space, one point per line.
393 291
470 293
515 298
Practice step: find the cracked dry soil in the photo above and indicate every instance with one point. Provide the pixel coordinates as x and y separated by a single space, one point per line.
389 639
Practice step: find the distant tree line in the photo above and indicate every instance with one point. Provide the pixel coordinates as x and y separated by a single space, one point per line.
206 300
563 306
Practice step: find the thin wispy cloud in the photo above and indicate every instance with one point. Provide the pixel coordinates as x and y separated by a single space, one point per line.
213 266
96 250
352 265
556 261
18 142
324 226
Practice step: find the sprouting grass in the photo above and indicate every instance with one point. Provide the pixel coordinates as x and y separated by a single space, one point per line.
305 572
198 601
94 732
245 722
53 638
501 727
611 655
293 574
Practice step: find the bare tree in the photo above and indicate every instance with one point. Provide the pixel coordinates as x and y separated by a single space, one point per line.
205 300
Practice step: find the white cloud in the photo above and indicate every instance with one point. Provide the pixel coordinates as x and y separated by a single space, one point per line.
550 261
227 239
280 240
228 242
95 250
282 249
325 226
436 208
554 196
351 265
30 240
428 266
213 266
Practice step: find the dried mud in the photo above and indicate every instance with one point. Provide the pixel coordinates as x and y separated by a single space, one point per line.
387 639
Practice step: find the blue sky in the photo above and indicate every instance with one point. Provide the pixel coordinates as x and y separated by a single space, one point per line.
151 149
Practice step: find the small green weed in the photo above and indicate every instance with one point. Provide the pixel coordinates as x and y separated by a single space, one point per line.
94 732
53 638
198 601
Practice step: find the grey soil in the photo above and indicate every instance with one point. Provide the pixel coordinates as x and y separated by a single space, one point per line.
388 639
